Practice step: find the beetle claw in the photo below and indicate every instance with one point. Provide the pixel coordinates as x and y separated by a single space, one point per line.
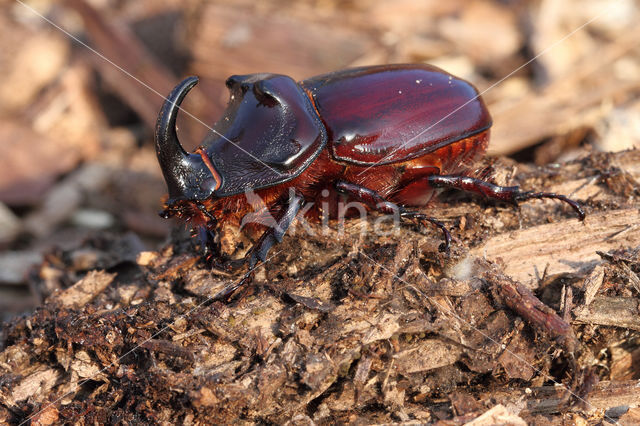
539 195
229 265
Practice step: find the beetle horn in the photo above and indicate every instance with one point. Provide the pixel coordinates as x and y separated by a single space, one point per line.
168 147
185 173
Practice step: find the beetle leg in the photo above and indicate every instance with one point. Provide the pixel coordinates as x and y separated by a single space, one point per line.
228 292
260 250
511 194
368 196
422 218
379 203
206 239
205 235
275 233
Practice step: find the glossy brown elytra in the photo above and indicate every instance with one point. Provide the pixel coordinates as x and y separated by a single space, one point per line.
387 136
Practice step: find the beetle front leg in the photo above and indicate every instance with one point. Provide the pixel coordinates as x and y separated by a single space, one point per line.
379 203
276 231
511 194
269 238
206 239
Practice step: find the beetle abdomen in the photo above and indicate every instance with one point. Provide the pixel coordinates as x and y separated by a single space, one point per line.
455 158
393 113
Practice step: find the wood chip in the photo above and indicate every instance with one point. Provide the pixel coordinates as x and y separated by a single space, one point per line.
498 414
39 61
592 284
14 265
85 290
427 355
36 385
567 246
612 311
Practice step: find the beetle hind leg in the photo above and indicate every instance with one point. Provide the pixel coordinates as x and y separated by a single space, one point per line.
379 203
510 194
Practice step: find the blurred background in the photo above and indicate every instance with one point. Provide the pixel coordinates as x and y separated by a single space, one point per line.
79 179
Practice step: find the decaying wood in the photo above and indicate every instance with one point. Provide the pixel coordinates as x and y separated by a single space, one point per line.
239 36
556 110
339 322
84 290
554 399
521 300
613 311
568 245
499 414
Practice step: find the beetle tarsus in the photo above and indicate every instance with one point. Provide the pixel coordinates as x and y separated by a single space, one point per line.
538 195
510 194
227 265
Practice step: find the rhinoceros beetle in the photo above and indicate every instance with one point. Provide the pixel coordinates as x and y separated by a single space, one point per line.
388 136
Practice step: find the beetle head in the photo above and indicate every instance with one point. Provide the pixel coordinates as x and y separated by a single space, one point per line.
188 175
